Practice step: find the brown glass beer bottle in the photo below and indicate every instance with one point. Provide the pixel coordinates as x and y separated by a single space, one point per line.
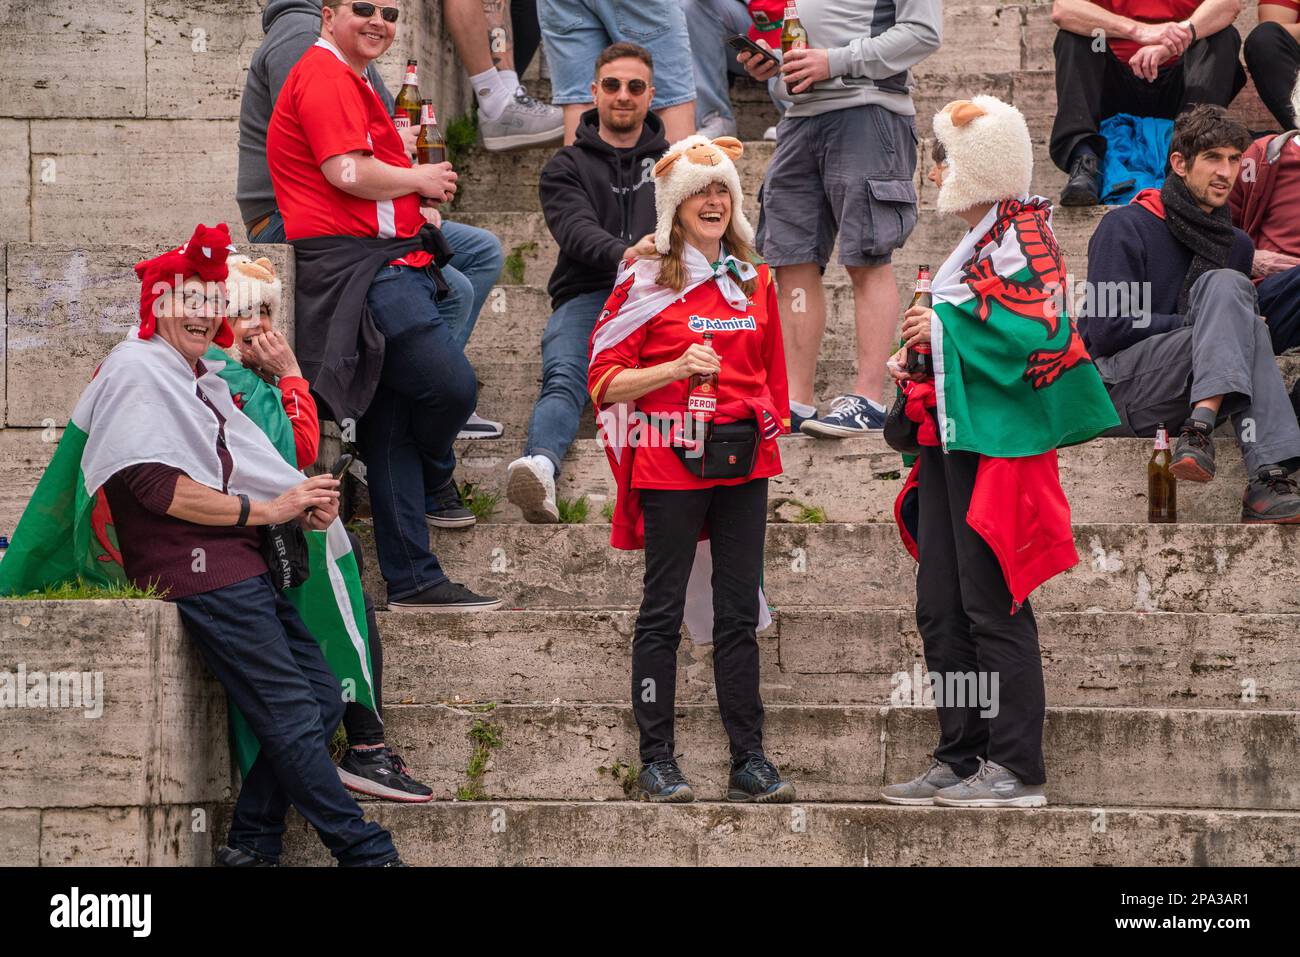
918 357
702 391
406 109
1162 487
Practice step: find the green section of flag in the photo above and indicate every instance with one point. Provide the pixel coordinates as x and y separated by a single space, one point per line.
989 406
62 537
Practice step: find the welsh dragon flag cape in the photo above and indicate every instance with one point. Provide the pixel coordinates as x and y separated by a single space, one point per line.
141 407
1012 375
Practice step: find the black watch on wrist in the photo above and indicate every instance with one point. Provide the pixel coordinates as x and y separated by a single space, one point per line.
243 510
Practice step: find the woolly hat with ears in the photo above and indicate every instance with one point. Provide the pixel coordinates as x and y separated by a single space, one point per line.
688 167
203 256
989 154
251 285
1295 103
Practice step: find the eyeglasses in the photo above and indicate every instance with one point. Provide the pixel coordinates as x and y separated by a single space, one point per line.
367 10
612 84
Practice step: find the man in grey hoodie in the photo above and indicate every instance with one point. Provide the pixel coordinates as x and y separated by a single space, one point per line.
845 163
291 27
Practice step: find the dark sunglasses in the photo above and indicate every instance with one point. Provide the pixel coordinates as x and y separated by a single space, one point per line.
612 84
367 10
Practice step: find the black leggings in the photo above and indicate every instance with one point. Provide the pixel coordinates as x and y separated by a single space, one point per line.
1273 56
527 33
362 725
736 516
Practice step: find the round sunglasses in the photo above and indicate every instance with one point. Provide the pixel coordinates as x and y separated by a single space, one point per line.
612 84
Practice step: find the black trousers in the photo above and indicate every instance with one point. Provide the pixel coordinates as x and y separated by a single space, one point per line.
526 32
1091 86
362 725
737 519
963 612
1273 57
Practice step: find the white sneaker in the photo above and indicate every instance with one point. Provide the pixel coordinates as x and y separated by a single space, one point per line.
477 427
525 122
769 134
715 126
530 484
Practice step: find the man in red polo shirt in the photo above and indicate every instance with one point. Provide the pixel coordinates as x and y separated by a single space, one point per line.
1158 58
348 193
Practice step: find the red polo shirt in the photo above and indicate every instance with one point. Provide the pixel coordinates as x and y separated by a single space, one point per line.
326 109
1146 11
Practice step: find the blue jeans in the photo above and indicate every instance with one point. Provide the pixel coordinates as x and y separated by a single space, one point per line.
471 274
1279 304
274 672
710 23
564 377
427 390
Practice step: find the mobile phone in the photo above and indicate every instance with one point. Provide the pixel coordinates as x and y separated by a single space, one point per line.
743 44
341 465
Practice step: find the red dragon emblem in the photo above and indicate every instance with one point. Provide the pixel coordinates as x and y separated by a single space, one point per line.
617 299
1034 299
100 520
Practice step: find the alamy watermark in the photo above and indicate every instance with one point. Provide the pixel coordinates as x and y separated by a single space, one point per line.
949 689
82 690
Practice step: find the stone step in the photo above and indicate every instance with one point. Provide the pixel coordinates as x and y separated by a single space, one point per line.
857 480
837 655
624 833
1176 568
1094 756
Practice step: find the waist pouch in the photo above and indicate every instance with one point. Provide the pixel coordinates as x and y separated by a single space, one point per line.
730 451
284 547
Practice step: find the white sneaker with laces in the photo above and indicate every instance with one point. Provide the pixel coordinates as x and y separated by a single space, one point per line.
769 134
530 484
715 126
524 122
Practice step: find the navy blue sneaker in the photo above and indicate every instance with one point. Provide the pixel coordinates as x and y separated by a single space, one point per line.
755 778
797 421
444 508
228 856
849 415
663 783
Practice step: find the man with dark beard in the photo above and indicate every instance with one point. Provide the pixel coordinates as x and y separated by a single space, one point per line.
598 197
1193 350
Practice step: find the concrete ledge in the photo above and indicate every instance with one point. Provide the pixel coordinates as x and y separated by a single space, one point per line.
704 834
156 732
153 836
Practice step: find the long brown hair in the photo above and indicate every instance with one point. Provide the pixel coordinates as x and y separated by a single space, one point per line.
672 271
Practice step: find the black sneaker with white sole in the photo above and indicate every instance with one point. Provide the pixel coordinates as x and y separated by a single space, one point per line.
444 508
849 415
381 773
228 856
445 596
477 427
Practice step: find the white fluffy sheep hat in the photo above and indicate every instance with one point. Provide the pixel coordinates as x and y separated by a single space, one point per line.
1295 102
989 155
688 167
251 284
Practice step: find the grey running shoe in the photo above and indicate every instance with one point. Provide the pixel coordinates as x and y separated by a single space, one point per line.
1273 498
920 790
662 782
992 786
1194 453
524 122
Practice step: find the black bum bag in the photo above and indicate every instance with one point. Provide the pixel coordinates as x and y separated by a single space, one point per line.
730 450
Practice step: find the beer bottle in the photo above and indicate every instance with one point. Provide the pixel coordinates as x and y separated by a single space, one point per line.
430 147
702 391
1162 487
918 356
793 34
406 109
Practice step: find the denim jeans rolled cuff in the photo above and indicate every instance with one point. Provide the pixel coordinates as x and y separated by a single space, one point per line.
275 673
563 396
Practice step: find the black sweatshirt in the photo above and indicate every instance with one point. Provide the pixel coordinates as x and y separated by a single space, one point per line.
598 200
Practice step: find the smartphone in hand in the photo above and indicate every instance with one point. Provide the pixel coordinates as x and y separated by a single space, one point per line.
743 44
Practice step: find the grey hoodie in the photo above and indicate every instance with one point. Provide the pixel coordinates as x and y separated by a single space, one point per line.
291 27
871 46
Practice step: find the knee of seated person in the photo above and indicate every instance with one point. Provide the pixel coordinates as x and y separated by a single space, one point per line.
1224 282
1262 38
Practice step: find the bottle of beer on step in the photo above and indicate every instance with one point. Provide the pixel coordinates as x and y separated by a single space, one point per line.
430 147
918 356
1162 487
406 109
702 392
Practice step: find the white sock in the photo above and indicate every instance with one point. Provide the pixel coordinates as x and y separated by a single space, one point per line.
874 404
807 411
510 78
493 97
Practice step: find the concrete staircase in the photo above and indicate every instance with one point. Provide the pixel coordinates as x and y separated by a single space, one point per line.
1172 654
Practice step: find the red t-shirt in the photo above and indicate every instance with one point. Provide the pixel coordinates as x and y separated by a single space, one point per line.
325 109
1146 11
753 361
